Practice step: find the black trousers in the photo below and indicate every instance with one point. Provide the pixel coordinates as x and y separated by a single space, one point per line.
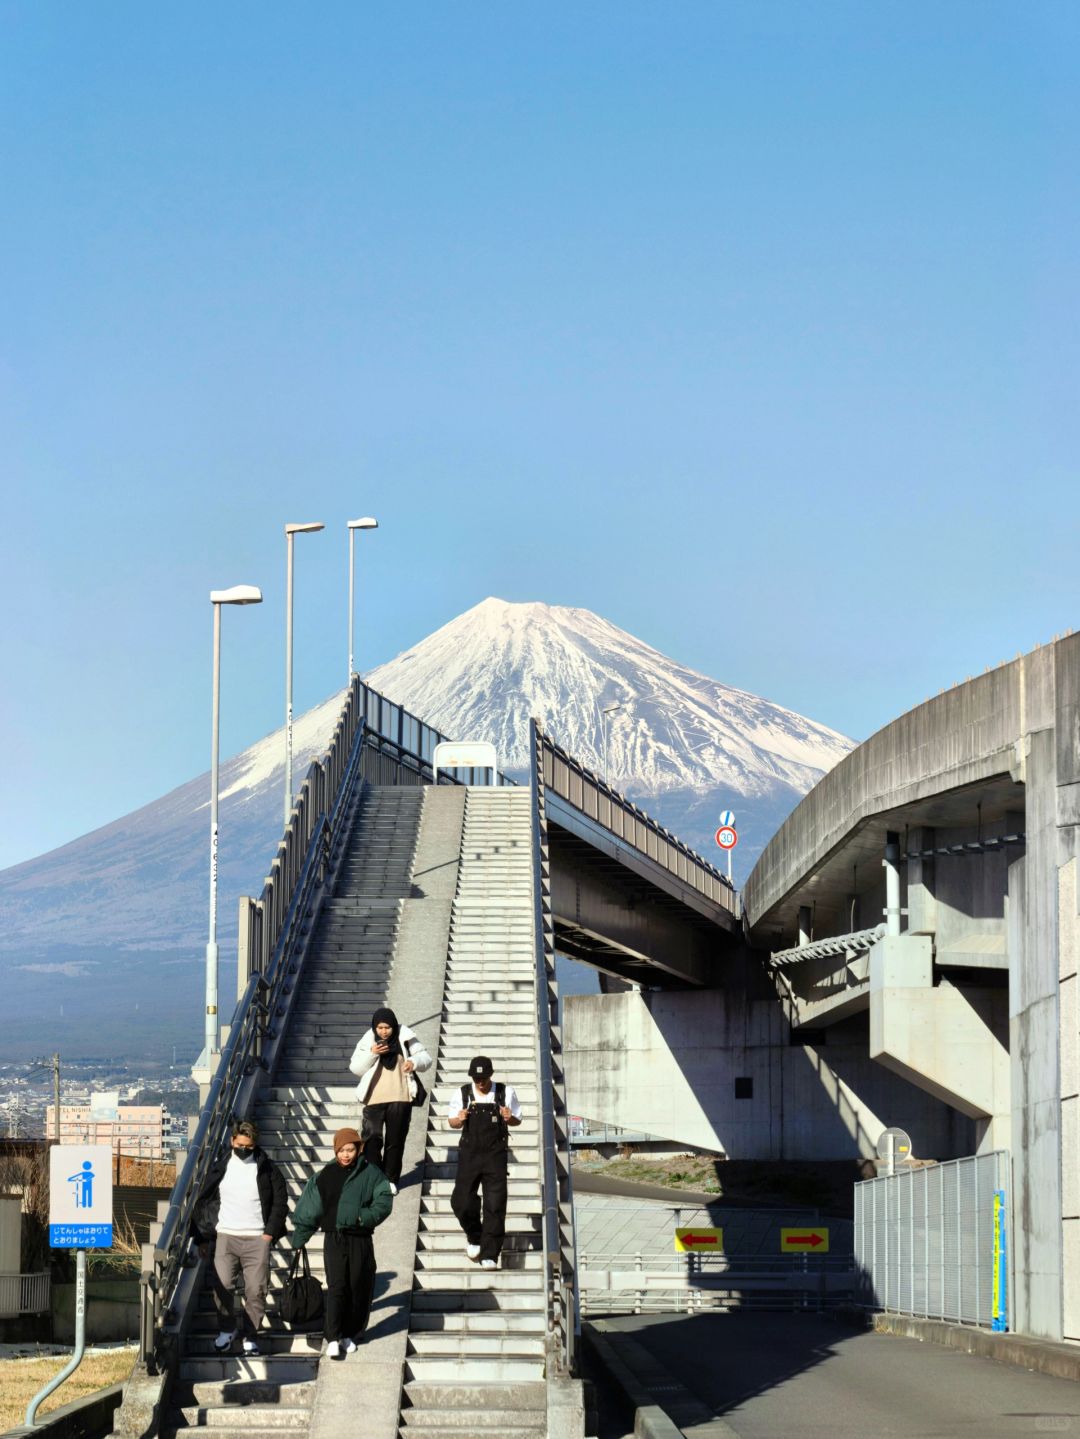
386 1153
350 1283
481 1173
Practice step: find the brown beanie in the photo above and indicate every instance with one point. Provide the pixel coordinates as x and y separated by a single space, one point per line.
346 1136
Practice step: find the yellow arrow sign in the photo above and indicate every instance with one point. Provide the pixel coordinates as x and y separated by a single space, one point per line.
804 1239
699 1239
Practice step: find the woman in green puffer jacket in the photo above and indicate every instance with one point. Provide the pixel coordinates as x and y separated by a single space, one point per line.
348 1200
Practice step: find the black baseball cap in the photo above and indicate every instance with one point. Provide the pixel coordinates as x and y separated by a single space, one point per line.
481 1068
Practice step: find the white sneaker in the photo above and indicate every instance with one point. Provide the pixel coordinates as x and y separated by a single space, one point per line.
224 1339
250 1347
333 1350
393 1190
488 1264
472 1250
349 1346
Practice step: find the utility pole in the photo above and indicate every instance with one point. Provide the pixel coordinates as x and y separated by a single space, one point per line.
51 1061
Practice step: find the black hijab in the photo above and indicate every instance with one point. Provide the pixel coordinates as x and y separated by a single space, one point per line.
393 1044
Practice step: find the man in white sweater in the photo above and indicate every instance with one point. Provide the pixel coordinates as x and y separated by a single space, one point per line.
243 1206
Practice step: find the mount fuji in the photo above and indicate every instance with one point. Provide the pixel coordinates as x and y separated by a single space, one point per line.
101 941
683 746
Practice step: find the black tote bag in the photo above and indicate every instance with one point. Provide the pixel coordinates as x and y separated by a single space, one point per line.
301 1303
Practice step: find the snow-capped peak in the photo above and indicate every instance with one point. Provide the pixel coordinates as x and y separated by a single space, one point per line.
486 672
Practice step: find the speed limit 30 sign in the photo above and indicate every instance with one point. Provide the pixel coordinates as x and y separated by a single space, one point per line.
726 837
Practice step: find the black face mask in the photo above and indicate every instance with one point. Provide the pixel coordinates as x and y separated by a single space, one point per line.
242 1153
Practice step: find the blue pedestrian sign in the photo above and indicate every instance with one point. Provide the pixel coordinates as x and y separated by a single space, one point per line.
80 1196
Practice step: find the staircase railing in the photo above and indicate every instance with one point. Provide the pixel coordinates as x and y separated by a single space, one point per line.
568 778
377 742
558 1228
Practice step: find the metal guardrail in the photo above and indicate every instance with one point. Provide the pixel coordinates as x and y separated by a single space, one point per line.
24 1294
554 1126
594 797
643 1283
371 744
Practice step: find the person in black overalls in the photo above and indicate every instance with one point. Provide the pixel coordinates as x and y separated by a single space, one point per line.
484 1112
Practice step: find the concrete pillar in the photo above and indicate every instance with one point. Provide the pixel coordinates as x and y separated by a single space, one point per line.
892 883
944 1039
804 925
921 895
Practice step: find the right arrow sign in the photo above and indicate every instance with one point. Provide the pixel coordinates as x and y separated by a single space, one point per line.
807 1239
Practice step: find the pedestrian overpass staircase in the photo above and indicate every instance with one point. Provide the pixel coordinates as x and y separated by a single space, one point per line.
438 900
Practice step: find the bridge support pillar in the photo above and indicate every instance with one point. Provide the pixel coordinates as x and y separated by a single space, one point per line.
941 1038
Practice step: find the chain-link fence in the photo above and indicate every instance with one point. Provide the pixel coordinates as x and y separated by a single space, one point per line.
932 1241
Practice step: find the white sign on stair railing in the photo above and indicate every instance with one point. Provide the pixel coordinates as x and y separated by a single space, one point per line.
473 754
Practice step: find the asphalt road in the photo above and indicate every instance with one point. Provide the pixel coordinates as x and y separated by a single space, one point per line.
587 1183
795 1376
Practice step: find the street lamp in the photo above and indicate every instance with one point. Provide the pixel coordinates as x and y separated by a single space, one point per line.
291 530
238 595
611 709
367 523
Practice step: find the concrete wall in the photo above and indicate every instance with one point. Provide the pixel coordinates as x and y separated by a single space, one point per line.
666 1063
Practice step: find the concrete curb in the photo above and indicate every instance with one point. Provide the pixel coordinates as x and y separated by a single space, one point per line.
1044 1356
640 1376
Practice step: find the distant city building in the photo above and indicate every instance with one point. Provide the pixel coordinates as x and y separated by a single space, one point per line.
137 1130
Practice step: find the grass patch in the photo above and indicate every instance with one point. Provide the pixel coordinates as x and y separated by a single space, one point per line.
20 1380
681 1171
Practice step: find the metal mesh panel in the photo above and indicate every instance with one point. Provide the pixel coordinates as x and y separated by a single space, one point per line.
924 1239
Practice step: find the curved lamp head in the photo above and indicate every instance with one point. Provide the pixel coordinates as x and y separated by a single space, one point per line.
304 529
367 523
238 595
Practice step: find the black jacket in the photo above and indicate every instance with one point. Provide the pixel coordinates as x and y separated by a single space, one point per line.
272 1195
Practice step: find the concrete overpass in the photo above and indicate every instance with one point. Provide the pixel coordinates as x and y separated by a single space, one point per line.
912 942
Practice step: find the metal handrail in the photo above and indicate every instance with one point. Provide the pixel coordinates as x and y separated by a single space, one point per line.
587 792
560 1259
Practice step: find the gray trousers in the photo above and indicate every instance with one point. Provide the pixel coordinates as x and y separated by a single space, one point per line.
251 1255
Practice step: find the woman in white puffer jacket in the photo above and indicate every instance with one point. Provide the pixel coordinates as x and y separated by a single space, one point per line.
387 1060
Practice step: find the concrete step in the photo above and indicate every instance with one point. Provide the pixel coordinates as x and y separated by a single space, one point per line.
520 1398
521 1207
456 1261
272 1417
518 1241
528 1322
519 1220
314 1094
520 1157
510 1423
244 1392
277 1368
478 1301
465 1429
450 1344
447 1369
438 1189
447 1169
271 1342
442 1281
232 1431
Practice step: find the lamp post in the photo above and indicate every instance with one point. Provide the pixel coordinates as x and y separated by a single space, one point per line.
367 523
238 595
611 709
290 531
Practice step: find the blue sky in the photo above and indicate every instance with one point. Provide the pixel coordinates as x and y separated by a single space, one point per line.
750 326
